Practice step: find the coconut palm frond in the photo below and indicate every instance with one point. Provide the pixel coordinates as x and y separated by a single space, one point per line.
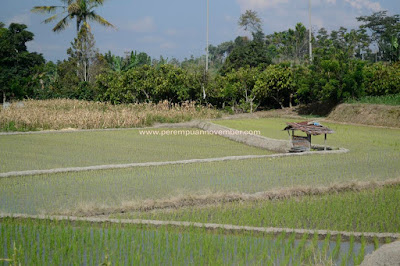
62 24
74 8
45 9
50 19
97 2
99 19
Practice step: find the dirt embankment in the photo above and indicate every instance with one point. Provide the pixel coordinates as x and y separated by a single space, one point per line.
367 114
209 199
388 254
362 114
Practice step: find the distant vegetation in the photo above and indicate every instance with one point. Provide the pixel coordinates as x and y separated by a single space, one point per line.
249 73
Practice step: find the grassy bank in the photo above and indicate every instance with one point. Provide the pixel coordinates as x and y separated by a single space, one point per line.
61 114
30 242
366 211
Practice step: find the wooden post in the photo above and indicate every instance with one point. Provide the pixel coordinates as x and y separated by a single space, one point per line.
325 143
290 139
309 139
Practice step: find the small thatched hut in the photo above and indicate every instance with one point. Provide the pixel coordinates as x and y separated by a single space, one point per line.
303 143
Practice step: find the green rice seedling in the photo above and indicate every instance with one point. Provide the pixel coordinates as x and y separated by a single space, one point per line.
86 243
376 243
335 253
360 256
346 211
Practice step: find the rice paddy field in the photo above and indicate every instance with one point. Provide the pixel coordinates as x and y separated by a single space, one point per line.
60 150
64 243
374 156
375 210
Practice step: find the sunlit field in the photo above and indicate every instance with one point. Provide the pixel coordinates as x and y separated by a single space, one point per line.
374 156
58 150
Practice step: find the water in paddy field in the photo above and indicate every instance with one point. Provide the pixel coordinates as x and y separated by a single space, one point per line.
90 245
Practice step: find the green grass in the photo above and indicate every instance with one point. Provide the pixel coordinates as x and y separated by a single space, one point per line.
58 150
374 155
30 242
367 211
393 99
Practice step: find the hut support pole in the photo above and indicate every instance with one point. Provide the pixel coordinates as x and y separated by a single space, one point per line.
325 143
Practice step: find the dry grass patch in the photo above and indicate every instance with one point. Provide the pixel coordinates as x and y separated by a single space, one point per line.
367 114
62 113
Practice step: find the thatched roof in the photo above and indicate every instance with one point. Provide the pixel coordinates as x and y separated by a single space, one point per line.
312 128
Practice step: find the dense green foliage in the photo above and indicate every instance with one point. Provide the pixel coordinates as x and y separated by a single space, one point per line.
366 211
149 84
33 242
18 66
255 71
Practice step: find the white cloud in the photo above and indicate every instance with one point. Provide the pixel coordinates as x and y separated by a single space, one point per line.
265 4
145 24
367 4
260 4
229 18
168 45
171 32
151 39
21 19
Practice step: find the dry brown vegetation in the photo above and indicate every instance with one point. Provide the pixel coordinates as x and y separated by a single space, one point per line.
62 113
207 199
367 114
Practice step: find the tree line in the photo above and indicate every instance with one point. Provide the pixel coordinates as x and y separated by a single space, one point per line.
252 72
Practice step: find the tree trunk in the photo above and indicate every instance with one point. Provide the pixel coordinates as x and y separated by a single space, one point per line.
78 57
84 71
290 100
4 97
279 102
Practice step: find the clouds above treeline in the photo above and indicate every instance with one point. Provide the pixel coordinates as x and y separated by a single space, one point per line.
178 28
265 4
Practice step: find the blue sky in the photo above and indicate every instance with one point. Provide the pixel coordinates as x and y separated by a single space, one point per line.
177 28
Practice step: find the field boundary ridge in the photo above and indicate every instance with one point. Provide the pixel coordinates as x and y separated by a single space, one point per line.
147 164
210 199
210 226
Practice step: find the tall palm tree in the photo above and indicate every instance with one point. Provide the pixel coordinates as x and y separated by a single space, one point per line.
81 10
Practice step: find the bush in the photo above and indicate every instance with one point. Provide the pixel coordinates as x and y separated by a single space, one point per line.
382 79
